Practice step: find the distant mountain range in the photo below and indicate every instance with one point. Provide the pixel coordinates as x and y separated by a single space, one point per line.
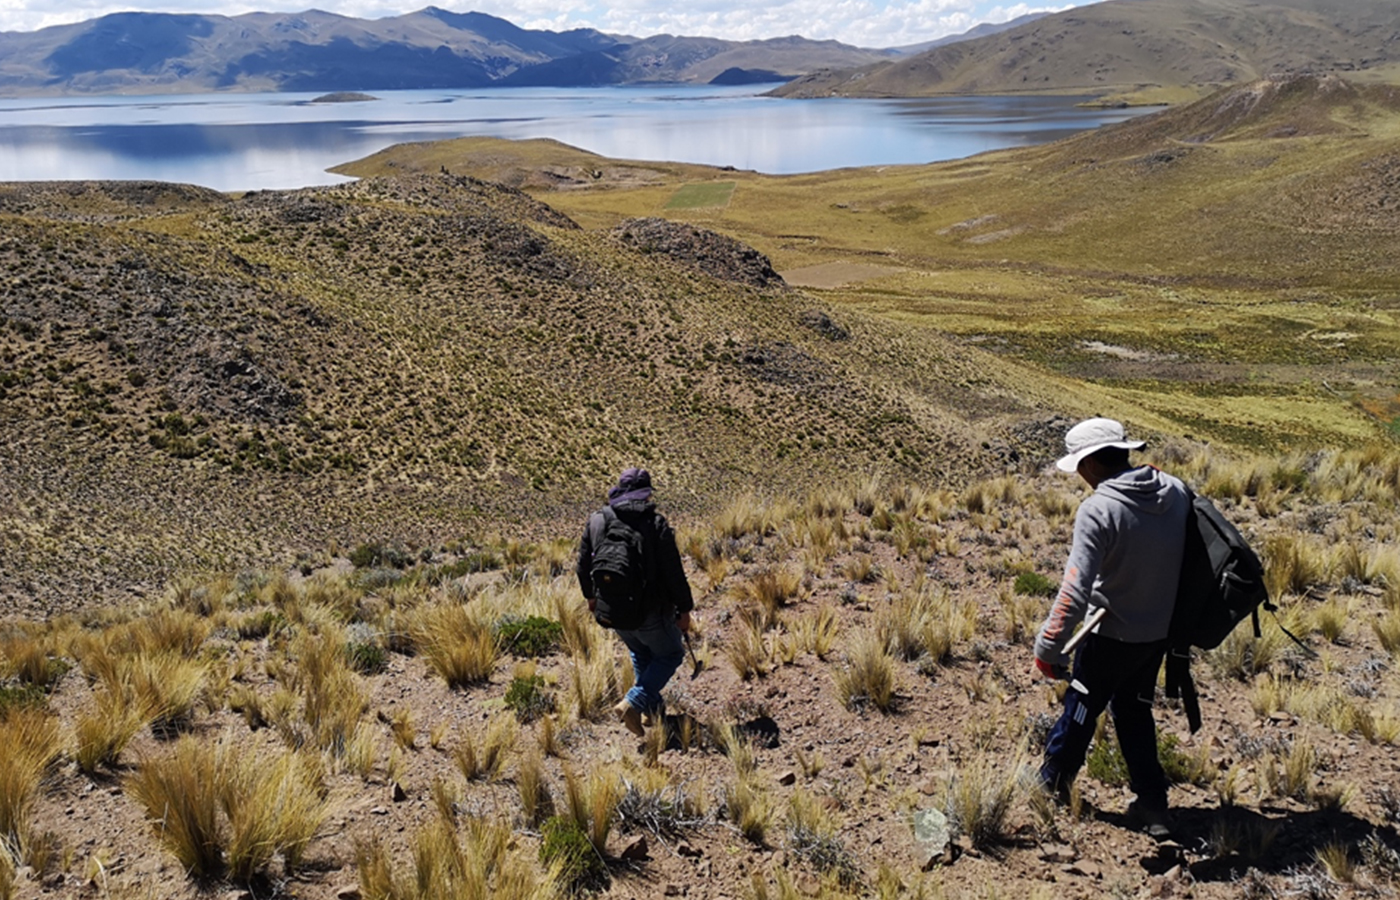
1131 45
432 48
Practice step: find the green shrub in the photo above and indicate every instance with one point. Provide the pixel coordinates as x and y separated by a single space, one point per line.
1105 761
1035 584
22 695
564 842
377 555
531 636
528 698
366 657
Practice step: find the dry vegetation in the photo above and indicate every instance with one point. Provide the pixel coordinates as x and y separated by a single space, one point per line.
352 730
292 483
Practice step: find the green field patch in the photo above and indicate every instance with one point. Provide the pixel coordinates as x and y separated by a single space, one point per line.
702 196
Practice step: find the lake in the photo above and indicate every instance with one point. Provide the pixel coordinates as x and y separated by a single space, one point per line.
245 141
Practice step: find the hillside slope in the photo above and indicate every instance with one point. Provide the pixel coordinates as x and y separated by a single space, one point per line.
189 378
1128 45
318 51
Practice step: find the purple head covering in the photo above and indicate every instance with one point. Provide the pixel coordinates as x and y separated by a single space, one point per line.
632 484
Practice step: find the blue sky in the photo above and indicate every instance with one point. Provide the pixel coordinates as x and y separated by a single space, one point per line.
866 23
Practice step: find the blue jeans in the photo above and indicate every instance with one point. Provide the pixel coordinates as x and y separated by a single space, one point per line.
657 651
1123 678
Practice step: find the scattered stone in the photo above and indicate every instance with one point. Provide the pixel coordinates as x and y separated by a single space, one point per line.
788 778
636 848
672 890
1058 853
379 811
684 849
931 829
349 892
1084 868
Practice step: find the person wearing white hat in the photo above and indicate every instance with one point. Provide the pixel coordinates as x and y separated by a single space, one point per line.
1129 536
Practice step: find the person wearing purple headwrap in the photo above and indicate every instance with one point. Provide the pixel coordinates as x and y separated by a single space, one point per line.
655 642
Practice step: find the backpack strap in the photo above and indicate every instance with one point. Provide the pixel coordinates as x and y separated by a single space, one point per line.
1180 684
598 525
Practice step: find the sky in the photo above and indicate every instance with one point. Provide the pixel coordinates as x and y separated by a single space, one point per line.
864 23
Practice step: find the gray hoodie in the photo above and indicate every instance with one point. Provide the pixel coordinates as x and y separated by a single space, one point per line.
1128 539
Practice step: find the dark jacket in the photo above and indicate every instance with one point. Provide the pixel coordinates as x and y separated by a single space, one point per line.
664 573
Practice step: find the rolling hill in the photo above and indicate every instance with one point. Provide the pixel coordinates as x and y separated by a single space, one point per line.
320 51
189 378
1132 46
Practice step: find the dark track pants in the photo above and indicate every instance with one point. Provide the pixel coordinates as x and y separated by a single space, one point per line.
1122 678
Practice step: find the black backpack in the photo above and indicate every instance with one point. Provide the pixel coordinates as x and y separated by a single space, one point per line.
621 598
1222 584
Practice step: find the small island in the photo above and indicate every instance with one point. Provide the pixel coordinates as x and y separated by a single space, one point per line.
344 97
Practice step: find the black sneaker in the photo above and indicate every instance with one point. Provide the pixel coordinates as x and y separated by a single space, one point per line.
1153 821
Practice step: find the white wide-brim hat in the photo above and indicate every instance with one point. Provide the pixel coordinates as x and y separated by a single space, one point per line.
1091 436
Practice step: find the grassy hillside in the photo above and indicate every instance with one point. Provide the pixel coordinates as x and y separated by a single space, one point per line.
1143 49
1225 269
190 379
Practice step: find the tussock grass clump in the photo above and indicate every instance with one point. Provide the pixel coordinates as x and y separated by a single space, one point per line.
456 646
747 650
590 803
1241 655
333 701
768 592
749 808
816 633
181 794
1387 630
979 796
595 685
536 802
32 740
476 861
869 674
32 660
219 810
811 836
273 810
483 760
652 802
750 515
1293 563
102 733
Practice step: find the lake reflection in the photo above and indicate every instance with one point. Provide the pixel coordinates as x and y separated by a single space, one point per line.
247 141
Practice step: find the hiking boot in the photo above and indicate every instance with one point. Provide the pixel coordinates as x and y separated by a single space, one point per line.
1153 821
630 716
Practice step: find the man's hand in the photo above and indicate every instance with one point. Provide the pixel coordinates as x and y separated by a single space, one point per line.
683 621
1053 672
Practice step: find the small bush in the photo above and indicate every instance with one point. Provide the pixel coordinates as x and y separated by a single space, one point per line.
367 659
17 696
565 846
376 555
532 636
527 696
1034 584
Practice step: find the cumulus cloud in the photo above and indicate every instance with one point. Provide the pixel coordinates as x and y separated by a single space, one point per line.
866 23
